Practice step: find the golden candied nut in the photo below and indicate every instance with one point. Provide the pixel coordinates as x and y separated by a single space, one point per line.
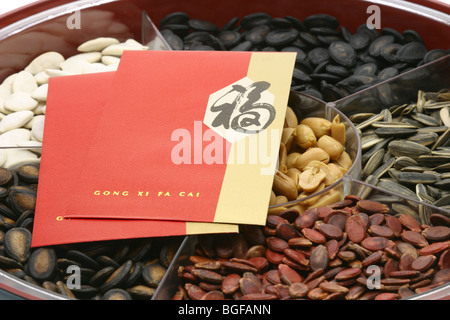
330 175
282 158
290 121
287 137
320 126
298 207
284 185
281 200
273 198
311 178
328 198
311 154
304 136
337 170
308 202
291 158
331 146
338 130
344 161
294 174
276 210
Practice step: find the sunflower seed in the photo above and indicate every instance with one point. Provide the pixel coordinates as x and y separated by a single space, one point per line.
393 173
369 121
444 113
445 175
438 130
424 214
397 188
396 124
442 140
443 184
373 163
405 209
425 119
375 148
424 138
404 161
360 117
442 167
422 193
433 160
431 105
395 131
416 177
414 169
364 191
408 148
380 171
444 201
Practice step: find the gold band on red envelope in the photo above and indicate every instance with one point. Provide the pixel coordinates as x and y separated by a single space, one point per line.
74 107
177 138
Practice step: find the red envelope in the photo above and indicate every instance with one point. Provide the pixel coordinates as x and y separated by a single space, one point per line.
74 107
169 113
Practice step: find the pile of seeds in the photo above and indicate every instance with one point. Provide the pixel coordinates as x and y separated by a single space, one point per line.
312 157
406 148
353 249
120 269
23 95
331 61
